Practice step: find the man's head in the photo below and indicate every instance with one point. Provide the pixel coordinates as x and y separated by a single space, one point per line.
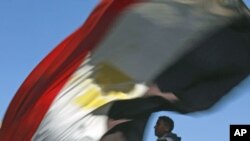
163 126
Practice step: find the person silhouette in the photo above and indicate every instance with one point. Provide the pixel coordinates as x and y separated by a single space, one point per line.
163 129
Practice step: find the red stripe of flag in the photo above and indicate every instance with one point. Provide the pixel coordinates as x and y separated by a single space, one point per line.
38 91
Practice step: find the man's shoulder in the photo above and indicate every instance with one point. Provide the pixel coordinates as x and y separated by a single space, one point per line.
173 137
170 137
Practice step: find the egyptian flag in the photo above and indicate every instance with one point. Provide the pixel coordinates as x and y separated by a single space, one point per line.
197 49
